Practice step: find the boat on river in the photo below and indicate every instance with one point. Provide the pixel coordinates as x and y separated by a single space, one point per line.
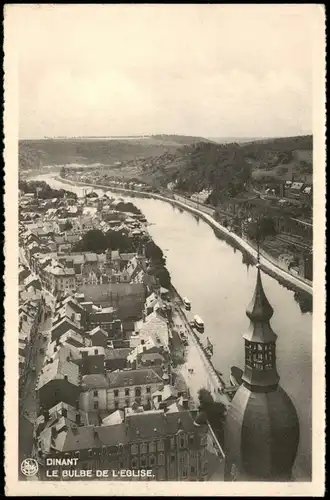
186 303
199 323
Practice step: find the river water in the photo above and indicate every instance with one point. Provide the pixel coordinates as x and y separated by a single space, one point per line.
219 285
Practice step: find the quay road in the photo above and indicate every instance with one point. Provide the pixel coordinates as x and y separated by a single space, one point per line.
267 265
197 370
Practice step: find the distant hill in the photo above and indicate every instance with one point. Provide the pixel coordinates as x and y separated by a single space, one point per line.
226 169
229 140
39 152
180 139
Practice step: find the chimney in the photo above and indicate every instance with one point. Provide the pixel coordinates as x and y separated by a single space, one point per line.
179 423
54 432
77 404
142 341
95 433
46 415
78 418
65 377
159 398
64 412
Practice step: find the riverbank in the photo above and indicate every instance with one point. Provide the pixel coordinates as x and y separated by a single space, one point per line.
268 266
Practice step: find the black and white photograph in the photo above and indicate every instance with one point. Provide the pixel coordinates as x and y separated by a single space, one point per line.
164 248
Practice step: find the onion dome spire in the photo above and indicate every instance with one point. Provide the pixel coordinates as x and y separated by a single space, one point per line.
260 372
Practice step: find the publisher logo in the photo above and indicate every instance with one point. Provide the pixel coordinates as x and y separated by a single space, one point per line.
29 467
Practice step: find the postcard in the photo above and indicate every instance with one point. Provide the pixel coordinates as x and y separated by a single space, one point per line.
164 249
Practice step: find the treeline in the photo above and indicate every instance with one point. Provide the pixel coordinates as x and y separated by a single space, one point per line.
221 168
43 190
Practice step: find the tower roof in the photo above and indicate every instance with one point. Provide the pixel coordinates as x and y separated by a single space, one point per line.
261 435
259 309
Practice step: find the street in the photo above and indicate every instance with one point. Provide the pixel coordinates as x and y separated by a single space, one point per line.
196 370
28 401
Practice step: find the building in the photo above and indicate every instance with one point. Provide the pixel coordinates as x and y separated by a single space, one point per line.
262 427
62 326
117 390
59 380
116 359
98 336
59 279
173 445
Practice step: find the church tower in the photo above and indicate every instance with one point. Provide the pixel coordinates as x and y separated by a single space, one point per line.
262 427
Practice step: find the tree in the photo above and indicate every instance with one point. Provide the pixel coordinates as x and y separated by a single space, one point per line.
116 240
215 411
153 252
261 228
205 398
163 276
92 241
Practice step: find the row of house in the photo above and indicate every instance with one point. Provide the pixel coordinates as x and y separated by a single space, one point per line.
114 408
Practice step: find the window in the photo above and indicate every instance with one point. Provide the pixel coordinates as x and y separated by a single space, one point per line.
203 440
95 393
116 393
161 445
126 392
90 452
148 389
127 402
172 442
152 447
152 460
137 392
172 457
134 463
134 449
193 469
143 448
96 405
182 458
143 461
161 459
182 442
184 472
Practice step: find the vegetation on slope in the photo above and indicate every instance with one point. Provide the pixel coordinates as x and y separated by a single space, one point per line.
35 153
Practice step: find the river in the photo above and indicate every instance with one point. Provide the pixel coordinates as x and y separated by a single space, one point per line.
219 285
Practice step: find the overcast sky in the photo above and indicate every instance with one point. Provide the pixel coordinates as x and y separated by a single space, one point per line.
206 70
